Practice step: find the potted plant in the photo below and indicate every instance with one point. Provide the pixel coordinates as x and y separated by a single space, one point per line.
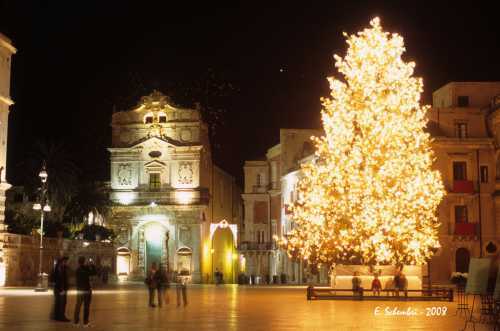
459 279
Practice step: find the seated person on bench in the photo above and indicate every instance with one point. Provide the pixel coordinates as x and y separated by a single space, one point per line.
356 285
376 285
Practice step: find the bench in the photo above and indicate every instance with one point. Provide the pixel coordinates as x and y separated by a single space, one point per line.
328 293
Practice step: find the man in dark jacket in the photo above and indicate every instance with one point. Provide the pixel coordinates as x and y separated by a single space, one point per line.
84 290
60 279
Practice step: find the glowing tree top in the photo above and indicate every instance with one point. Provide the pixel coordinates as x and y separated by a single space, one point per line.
369 195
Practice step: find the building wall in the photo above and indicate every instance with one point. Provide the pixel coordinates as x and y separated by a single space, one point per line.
22 257
263 205
6 52
479 93
166 190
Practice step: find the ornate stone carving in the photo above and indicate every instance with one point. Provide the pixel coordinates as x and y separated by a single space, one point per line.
186 135
122 237
185 235
125 174
185 173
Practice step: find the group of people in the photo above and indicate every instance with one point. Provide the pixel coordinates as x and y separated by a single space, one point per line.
219 277
60 277
395 285
158 284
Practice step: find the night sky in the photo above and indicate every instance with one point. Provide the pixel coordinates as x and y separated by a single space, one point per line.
77 60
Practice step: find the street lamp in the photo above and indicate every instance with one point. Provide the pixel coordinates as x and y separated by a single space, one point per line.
42 285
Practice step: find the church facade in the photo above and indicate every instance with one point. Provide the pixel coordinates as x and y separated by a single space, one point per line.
170 202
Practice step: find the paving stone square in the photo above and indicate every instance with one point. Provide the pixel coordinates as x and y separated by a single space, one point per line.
228 307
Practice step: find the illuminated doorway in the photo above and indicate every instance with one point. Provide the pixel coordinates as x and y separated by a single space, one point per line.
154 237
224 255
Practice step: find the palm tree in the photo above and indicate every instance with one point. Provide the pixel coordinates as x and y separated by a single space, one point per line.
89 197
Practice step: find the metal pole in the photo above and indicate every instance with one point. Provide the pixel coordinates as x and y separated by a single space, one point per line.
40 264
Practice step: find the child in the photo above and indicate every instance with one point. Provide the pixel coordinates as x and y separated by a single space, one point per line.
376 285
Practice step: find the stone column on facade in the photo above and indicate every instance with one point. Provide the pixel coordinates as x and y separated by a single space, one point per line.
196 257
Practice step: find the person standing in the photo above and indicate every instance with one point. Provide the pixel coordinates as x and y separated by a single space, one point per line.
83 290
217 276
403 284
60 278
163 285
397 282
181 290
152 283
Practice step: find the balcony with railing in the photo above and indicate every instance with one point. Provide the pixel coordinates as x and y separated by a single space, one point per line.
199 196
466 229
463 186
259 189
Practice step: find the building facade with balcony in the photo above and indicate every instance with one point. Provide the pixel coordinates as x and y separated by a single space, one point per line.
168 196
264 201
464 123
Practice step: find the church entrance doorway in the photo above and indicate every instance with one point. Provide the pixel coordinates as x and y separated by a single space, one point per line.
154 238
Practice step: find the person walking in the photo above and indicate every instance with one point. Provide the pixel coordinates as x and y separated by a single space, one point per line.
83 290
181 290
217 276
61 285
152 283
163 285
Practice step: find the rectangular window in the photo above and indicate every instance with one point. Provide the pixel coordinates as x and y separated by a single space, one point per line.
461 214
154 181
463 101
162 119
484 174
461 130
459 170
149 119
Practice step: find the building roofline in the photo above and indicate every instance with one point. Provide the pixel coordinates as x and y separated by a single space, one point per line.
7 43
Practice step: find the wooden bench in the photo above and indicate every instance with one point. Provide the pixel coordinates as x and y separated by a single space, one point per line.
327 293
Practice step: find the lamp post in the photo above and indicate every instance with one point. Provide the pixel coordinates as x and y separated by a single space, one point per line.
44 207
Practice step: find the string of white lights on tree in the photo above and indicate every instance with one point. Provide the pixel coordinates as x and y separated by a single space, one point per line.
370 194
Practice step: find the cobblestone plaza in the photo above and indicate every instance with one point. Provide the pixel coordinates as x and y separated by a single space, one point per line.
224 308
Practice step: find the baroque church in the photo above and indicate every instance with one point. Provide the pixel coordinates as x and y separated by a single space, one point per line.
171 204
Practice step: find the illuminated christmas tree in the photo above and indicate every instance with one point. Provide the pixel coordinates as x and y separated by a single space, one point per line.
370 195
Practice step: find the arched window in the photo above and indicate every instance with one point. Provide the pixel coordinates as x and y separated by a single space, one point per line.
162 118
148 119
462 258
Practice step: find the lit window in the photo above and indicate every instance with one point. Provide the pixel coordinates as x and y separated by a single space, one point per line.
459 170
461 130
154 181
461 214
